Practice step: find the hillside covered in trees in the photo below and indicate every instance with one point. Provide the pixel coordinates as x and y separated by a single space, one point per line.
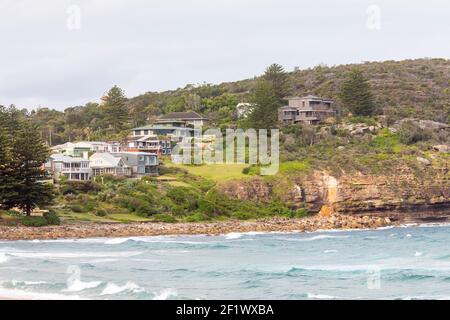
410 88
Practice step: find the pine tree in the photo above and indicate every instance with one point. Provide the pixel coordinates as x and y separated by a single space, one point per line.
279 79
269 95
264 114
29 153
6 167
115 109
356 95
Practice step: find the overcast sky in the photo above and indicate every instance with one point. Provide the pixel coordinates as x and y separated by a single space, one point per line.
61 53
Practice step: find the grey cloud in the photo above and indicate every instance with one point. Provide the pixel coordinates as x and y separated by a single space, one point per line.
158 45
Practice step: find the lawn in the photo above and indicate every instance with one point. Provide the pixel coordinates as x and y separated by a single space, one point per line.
215 172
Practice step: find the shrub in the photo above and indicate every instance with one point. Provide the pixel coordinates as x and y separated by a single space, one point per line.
131 203
370 121
215 203
411 133
251 170
294 166
76 187
164 218
101 213
34 221
277 208
244 215
77 208
146 210
299 213
197 217
386 142
185 197
52 218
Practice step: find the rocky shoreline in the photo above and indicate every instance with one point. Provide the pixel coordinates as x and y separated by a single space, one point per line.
275 224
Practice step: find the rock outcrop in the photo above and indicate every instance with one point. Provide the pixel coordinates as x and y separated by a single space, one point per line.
402 196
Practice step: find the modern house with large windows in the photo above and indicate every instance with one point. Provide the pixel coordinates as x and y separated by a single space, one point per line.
309 110
72 168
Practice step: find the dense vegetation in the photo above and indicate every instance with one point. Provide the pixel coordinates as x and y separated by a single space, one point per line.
410 88
22 154
147 199
376 94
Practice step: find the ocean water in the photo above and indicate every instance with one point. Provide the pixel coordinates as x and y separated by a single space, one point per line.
390 263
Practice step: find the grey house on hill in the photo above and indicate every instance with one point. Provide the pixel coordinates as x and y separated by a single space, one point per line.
181 119
309 110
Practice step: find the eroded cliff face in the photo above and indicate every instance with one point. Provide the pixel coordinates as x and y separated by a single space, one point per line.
403 196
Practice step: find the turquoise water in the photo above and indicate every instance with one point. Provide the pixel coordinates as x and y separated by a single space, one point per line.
394 263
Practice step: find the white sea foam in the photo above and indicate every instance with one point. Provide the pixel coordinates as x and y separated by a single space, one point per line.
73 255
16 283
31 295
79 285
116 240
112 288
233 235
418 254
165 294
3 257
321 296
318 237
330 251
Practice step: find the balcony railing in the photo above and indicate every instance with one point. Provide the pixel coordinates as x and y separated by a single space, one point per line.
82 170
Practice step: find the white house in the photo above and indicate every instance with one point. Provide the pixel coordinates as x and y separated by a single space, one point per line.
73 168
78 149
106 163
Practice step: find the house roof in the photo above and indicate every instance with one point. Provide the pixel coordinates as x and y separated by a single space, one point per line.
63 158
190 115
310 97
108 159
139 153
81 144
160 127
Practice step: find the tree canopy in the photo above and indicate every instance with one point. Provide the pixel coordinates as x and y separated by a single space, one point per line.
356 94
22 155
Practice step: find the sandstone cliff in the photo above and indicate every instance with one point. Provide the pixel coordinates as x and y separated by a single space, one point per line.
405 196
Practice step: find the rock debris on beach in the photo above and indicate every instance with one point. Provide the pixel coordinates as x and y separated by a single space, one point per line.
277 224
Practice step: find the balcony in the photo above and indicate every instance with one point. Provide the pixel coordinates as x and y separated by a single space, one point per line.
76 170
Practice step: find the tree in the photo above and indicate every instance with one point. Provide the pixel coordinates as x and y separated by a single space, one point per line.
29 153
277 76
265 112
356 95
6 161
269 95
115 109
